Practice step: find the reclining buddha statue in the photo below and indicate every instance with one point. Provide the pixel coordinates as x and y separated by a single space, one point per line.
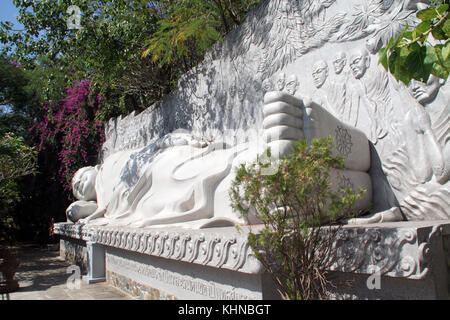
183 180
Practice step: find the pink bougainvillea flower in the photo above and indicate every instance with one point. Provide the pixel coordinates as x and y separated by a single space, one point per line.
67 122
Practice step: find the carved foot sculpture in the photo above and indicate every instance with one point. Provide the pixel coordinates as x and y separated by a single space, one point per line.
391 215
288 118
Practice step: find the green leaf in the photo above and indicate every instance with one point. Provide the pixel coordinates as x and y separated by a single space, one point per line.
423 27
441 66
442 8
430 56
439 34
416 66
446 27
427 14
408 35
440 71
446 51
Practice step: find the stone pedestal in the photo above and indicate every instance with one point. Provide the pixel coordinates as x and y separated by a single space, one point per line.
96 263
406 260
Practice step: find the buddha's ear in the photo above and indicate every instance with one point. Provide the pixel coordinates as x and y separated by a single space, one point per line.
368 59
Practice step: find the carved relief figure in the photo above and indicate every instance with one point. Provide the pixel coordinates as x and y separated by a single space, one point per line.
338 86
425 93
291 84
267 85
420 168
319 74
359 65
339 62
281 81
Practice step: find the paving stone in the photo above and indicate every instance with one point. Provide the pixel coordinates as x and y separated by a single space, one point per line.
42 275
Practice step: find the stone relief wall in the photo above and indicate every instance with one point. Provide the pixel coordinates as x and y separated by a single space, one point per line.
324 51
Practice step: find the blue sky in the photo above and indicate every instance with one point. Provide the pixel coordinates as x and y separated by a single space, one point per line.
9 12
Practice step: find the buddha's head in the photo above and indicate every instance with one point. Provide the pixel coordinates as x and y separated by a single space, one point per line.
83 184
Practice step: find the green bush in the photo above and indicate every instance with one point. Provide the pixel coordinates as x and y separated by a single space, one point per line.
293 204
16 160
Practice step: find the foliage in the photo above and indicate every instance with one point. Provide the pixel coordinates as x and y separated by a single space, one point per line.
190 27
106 49
17 159
413 54
294 245
20 91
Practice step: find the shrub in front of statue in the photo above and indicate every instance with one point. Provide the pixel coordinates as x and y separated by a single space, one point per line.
299 214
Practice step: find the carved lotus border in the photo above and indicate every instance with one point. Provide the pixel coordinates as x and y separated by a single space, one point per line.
395 252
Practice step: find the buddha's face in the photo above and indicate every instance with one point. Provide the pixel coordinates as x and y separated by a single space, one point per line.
425 92
339 62
83 184
320 73
359 63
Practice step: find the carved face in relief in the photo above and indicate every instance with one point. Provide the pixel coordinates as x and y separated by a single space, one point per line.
232 91
339 62
320 73
281 81
241 93
425 93
291 84
359 63
83 184
267 85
